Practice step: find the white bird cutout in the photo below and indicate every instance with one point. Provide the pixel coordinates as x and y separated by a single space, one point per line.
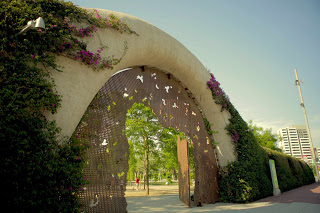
140 77
167 88
175 105
163 102
104 143
92 203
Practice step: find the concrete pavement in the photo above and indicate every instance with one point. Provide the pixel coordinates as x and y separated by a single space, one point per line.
305 199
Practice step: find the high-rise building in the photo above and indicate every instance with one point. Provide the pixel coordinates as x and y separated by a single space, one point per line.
317 153
295 142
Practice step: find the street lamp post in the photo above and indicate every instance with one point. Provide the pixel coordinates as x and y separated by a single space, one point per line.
38 23
297 83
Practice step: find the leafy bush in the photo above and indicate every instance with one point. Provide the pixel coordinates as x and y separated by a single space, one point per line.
41 171
309 176
249 178
291 172
38 171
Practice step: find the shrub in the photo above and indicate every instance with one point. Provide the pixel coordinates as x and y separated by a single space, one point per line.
41 171
248 178
38 171
291 172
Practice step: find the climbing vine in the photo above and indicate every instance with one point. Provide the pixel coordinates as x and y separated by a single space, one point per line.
248 178
40 170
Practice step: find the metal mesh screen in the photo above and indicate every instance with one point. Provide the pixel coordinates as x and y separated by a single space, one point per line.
103 126
184 178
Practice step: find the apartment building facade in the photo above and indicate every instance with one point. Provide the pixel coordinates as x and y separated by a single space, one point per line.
295 142
317 152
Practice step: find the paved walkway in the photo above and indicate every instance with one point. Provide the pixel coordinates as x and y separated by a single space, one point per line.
305 199
305 194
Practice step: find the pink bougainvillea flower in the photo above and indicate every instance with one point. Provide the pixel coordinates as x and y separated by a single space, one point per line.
51 90
39 30
53 105
33 56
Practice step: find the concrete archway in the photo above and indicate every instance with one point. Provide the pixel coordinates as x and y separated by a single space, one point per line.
78 84
104 124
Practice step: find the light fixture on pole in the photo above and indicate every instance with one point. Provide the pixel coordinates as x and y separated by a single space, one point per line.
297 83
35 24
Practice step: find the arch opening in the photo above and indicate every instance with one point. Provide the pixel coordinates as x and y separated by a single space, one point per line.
103 125
153 155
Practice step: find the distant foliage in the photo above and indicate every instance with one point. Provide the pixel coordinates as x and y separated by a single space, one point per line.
264 137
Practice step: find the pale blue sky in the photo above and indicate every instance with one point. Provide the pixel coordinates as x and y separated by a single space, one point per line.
252 47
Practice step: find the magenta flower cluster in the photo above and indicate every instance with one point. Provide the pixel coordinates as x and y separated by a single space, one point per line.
82 32
91 58
235 136
217 93
87 31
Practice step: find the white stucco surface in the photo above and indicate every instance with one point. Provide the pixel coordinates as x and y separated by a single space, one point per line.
78 83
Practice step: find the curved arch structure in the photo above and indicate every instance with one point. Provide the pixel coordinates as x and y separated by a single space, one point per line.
78 84
103 127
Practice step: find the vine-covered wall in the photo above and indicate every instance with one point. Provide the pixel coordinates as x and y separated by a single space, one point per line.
248 178
40 170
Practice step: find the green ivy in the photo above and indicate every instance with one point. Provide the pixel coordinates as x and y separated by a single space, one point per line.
40 170
291 172
248 178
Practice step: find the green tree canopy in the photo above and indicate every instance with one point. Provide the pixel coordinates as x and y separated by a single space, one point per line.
143 131
264 137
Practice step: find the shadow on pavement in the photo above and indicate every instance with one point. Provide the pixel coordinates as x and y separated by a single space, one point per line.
304 194
301 200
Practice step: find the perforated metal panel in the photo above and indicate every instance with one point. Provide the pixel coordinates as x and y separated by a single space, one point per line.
103 126
184 177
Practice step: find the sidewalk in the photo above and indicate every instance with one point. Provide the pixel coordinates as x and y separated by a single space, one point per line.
301 200
304 194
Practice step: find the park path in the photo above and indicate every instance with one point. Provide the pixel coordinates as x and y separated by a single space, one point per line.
304 194
305 199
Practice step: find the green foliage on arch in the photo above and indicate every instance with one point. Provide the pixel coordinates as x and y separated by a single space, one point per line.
40 170
248 178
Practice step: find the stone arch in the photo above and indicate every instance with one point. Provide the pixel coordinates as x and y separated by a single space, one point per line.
78 84
103 127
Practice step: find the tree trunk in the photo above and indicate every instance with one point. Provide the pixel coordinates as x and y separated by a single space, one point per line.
147 173
144 173
174 174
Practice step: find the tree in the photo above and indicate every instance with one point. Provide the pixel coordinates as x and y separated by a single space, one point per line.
264 137
143 130
169 150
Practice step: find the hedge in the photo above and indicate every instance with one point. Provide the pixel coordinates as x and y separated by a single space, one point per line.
248 178
291 172
40 169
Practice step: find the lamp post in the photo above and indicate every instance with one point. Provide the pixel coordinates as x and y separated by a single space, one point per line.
297 83
38 23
